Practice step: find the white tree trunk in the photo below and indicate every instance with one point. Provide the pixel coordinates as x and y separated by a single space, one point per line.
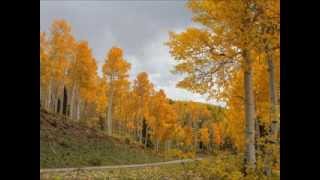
250 154
274 127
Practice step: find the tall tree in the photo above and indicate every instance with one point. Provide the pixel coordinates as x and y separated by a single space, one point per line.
269 44
61 55
162 118
143 90
210 56
101 102
45 71
115 71
82 79
120 101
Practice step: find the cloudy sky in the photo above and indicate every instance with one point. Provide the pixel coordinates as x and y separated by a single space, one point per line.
140 28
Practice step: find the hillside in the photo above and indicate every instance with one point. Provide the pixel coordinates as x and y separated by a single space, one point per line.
65 143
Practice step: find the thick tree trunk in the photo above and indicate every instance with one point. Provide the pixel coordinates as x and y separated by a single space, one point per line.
272 139
109 116
250 154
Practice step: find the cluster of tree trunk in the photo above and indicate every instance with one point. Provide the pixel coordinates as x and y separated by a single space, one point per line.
55 103
65 102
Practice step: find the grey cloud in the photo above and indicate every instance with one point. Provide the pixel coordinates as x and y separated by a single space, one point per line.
139 27
131 23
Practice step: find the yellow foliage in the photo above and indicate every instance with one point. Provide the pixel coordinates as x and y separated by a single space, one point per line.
204 135
210 57
101 100
115 67
217 133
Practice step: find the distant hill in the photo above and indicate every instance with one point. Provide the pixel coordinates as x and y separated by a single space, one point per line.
65 143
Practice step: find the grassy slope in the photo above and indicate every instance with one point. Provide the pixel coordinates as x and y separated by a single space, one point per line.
64 143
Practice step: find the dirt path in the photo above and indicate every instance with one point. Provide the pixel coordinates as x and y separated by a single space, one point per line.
119 166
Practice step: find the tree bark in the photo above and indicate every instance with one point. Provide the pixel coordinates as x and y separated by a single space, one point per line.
272 139
250 154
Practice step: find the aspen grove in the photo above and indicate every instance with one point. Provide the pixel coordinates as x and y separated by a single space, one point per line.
71 86
233 57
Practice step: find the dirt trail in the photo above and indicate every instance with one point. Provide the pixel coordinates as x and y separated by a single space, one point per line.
119 166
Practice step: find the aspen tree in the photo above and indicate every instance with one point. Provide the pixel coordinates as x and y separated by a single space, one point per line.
115 70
